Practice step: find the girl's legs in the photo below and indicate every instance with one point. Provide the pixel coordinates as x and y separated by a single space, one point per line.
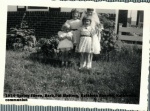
82 60
66 57
88 60
63 58
91 58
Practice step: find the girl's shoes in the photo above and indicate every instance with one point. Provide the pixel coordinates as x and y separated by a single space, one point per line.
89 65
82 65
62 63
66 64
80 68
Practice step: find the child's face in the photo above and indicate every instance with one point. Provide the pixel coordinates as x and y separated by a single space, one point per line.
87 22
75 16
89 13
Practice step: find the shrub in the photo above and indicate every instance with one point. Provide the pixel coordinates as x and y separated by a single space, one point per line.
108 37
127 53
18 37
48 47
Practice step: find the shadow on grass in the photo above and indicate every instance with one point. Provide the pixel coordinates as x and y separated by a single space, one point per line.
39 57
55 62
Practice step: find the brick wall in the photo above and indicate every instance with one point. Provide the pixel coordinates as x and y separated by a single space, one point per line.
45 23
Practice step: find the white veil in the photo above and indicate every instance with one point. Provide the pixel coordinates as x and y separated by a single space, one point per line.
95 17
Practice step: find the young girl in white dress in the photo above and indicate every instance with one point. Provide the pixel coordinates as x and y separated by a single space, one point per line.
85 46
97 26
65 43
75 23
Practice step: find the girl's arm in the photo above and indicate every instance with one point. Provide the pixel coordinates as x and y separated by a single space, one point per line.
67 22
69 36
93 33
78 42
61 35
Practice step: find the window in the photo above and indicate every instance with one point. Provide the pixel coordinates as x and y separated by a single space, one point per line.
34 7
21 8
140 18
37 8
54 9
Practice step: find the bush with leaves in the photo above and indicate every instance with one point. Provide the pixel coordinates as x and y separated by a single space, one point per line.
18 37
109 39
48 47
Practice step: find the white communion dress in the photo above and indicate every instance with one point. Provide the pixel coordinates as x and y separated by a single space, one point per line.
86 37
65 43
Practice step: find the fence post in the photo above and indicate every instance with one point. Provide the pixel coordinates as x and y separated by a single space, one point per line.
119 33
116 20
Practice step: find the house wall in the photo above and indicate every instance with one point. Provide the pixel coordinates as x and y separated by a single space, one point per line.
45 24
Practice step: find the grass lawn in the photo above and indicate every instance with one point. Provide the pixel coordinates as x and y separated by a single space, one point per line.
113 81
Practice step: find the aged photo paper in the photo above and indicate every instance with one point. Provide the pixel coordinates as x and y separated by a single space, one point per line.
75 54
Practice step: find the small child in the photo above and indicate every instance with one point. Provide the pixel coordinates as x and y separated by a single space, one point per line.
65 43
85 46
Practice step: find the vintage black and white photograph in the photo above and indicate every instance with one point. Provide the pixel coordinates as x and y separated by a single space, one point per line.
73 54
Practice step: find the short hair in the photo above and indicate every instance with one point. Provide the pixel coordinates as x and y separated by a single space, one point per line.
87 18
75 11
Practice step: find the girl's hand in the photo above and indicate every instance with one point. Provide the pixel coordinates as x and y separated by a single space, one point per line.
93 32
100 27
61 38
69 38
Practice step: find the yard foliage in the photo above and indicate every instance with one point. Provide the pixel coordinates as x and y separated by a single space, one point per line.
20 36
48 47
117 80
109 39
115 75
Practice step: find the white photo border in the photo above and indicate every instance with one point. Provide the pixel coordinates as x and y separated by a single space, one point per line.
69 4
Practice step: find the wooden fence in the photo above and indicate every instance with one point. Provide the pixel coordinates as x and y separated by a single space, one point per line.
132 34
